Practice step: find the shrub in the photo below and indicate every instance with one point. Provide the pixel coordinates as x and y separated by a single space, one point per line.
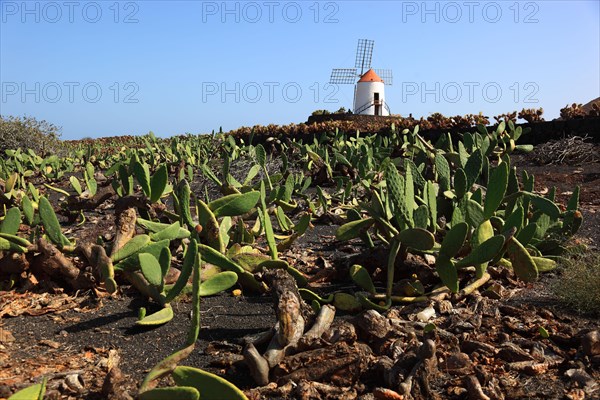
28 133
579 283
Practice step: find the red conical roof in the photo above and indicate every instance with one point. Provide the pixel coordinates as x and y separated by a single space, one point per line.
370 76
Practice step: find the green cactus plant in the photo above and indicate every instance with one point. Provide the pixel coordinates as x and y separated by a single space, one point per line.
12 221
51 224
33 392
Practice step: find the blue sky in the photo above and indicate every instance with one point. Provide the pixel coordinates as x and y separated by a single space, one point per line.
111 68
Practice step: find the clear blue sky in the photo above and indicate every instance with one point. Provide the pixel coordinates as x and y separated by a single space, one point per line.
111 68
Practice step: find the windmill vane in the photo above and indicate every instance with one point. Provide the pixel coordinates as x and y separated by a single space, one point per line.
369 97
364 53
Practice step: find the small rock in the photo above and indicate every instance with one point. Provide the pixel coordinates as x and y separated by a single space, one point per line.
503 337
576 394
367 396
445 307
49 343
374 324
426 314
75 383
496 291
386 394
172 276
545 313
6 336
427 349
457 364
591 343
5 391
469 346
474 390
529 367
581 377
429 259
511 352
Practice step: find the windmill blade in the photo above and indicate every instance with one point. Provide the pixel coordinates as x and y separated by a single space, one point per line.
364 53
386 75
341 76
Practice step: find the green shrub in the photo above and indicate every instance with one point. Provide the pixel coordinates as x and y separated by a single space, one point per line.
28 133
579 283
321 112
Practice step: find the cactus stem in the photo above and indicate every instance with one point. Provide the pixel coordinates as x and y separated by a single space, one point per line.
394 249
476 284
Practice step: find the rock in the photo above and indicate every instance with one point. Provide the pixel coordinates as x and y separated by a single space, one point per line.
384 367
75 383
50 343
172 276
591 343
427 314
374 324
386 394
581 377
496 291
469 346
445 307
510 352
6 336
427 350
575 394
341 331
474 390
457 364
529 367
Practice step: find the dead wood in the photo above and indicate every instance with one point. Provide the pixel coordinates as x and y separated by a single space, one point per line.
113 386
259 368
271 391
313 338
140 202
289 329
281 282
341 364
125 229
322 322
426 352
53 263
291 311
13 263
474 389
341 331
374 325
316 390
78 203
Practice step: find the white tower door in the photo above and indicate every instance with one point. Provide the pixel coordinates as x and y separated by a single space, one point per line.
377 103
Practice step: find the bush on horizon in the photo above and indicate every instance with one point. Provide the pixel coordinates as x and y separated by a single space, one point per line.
29 133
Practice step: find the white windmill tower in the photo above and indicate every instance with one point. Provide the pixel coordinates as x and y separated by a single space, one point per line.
369 90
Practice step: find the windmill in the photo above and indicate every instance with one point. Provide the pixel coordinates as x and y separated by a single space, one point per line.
369 93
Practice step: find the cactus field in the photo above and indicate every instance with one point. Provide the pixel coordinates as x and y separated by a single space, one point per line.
344 265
